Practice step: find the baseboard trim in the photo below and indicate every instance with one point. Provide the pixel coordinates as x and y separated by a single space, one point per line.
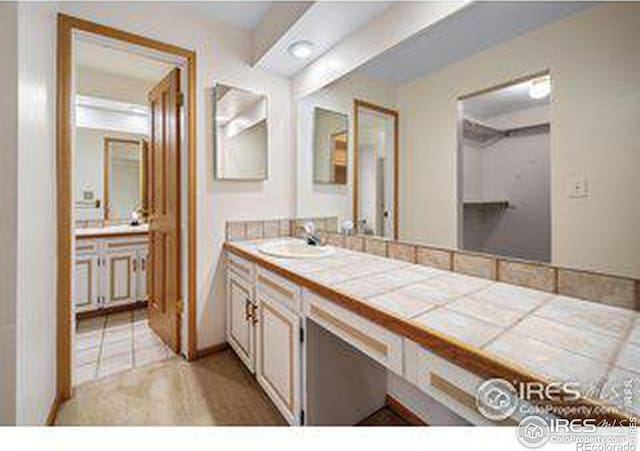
403 411
210 350
108 310
53 412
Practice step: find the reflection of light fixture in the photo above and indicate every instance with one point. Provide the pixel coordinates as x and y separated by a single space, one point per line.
138 110
540 88
301 49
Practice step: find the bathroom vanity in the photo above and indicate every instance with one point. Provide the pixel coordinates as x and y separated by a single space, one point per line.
110 267
330 338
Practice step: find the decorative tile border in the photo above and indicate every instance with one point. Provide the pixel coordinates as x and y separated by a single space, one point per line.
401 251
274 228
605 288
436 258
475 265
598 287
527 274
375 246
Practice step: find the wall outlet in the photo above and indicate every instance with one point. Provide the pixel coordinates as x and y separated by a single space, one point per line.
577 187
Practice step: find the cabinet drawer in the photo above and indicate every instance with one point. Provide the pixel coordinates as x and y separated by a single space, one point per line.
377 342
279 289
450 384
241 267
86 246
119 244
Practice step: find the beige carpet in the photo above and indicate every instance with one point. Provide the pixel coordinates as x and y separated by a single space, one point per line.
216 390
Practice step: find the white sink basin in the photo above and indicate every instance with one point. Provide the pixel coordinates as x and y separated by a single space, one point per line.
295 249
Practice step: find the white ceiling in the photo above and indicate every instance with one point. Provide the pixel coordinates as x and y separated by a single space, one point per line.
242 14
118 62
475 28
506 100
324 24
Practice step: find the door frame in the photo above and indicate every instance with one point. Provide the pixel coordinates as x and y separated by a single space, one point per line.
363 104
66 25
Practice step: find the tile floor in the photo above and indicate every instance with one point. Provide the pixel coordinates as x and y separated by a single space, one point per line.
111 344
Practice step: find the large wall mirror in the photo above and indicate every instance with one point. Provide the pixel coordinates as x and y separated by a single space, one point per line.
525 148
124 177
240 134
330 146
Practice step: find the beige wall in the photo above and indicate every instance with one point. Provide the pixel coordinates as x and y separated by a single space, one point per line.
9 205
594 64
95 83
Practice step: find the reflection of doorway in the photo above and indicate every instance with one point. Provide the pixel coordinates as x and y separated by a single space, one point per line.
375 186
124 176
504 170
164 188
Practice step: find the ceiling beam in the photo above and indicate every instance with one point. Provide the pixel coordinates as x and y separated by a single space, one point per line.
280 17
397 23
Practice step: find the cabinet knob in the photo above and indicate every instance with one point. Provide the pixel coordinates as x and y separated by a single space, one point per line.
254 313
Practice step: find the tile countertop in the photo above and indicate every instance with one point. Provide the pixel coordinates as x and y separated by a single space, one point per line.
550 337
114 230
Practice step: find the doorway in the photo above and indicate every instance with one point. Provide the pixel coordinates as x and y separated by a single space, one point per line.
375 181
504 170
123 249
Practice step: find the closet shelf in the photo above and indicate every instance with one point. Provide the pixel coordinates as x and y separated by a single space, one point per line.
486 203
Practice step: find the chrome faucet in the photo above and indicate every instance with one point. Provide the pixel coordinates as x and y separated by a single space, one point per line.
310 235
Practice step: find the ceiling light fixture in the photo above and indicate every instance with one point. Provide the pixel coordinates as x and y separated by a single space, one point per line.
301 49
540 88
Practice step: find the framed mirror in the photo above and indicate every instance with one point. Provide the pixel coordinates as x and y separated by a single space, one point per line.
330 146
124 177
240 134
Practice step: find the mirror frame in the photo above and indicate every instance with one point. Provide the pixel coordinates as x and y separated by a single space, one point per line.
313 147
215 136
363 104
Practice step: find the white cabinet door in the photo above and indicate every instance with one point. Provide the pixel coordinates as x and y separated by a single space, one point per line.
278 351
141 275
119 278
240 330
86 274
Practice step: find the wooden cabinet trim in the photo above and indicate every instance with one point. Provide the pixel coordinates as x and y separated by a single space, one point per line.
466 356
262 307
112 278
354 333
274 286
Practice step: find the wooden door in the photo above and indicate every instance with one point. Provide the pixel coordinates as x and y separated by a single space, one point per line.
278 364
240 330
163 178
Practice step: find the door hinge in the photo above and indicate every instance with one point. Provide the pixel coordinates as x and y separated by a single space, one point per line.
301 417
180 306
180 99
301 334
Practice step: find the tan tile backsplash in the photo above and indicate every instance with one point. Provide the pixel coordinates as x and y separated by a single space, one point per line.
354 243
236 231
402 251
254 230
474 265
271 229
375 246
527 274
436 258
606 289
335 239
610 290
285 227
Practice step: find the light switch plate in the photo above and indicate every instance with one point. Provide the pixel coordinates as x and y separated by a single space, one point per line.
577 187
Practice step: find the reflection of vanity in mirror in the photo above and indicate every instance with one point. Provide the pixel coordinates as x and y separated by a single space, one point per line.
487 210
240 134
